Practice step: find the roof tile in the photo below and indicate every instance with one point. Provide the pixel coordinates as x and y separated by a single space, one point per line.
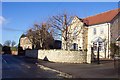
102 17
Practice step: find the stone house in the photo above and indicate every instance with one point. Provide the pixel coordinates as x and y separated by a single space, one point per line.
77 36
25 42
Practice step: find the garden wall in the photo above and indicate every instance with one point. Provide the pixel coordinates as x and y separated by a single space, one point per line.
57 55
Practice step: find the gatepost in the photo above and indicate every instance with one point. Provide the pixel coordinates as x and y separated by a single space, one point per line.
89 54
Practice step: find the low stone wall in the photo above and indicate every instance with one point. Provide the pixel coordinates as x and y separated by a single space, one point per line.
14 52
31 53
57 55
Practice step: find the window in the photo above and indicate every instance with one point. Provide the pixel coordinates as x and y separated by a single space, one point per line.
75 32
75 46
95 46
94 31
101 31
100 46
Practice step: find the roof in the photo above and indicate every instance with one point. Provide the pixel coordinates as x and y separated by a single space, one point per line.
102 17
97 39
22 36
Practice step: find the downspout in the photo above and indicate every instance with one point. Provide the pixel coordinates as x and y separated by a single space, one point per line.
108 39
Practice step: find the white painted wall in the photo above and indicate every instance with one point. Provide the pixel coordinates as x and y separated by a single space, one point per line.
105 35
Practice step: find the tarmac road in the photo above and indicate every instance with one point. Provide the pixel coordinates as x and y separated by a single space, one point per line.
21 67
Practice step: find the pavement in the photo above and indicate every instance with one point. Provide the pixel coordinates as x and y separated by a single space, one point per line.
103 70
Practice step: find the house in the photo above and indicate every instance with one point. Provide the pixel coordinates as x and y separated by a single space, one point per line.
25 42
97 30
77 36
115 29
100 28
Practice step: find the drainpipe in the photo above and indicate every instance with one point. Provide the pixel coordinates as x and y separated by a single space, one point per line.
108 39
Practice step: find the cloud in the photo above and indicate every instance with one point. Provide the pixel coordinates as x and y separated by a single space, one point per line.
2 20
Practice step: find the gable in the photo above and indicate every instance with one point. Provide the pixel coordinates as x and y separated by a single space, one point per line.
76 23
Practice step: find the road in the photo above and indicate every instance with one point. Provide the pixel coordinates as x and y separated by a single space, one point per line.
21 67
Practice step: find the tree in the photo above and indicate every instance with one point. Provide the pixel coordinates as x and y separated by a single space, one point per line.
41 35
60 25
45 35
0 47
6 50
114 49
32 37
13 43
7 43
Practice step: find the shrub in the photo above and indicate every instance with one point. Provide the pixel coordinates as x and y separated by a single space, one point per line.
14 49
114 49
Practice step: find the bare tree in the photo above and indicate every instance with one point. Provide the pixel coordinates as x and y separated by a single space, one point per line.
32 37
45 35
7 43
60 24
41 35
13 43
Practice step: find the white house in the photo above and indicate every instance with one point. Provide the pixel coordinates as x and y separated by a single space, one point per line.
96 32
99 32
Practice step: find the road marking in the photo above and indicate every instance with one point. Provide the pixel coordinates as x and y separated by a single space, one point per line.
26 65
5 61
62 74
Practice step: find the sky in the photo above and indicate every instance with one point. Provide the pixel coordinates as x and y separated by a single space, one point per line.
60 0
18 17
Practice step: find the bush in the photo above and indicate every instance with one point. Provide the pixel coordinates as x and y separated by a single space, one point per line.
6 50
14 49
114 49
0 48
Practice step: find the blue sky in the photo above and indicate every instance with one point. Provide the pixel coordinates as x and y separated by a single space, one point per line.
60 0
20 16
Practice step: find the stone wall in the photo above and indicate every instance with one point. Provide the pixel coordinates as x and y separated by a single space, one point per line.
57 55
31 53
14 52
